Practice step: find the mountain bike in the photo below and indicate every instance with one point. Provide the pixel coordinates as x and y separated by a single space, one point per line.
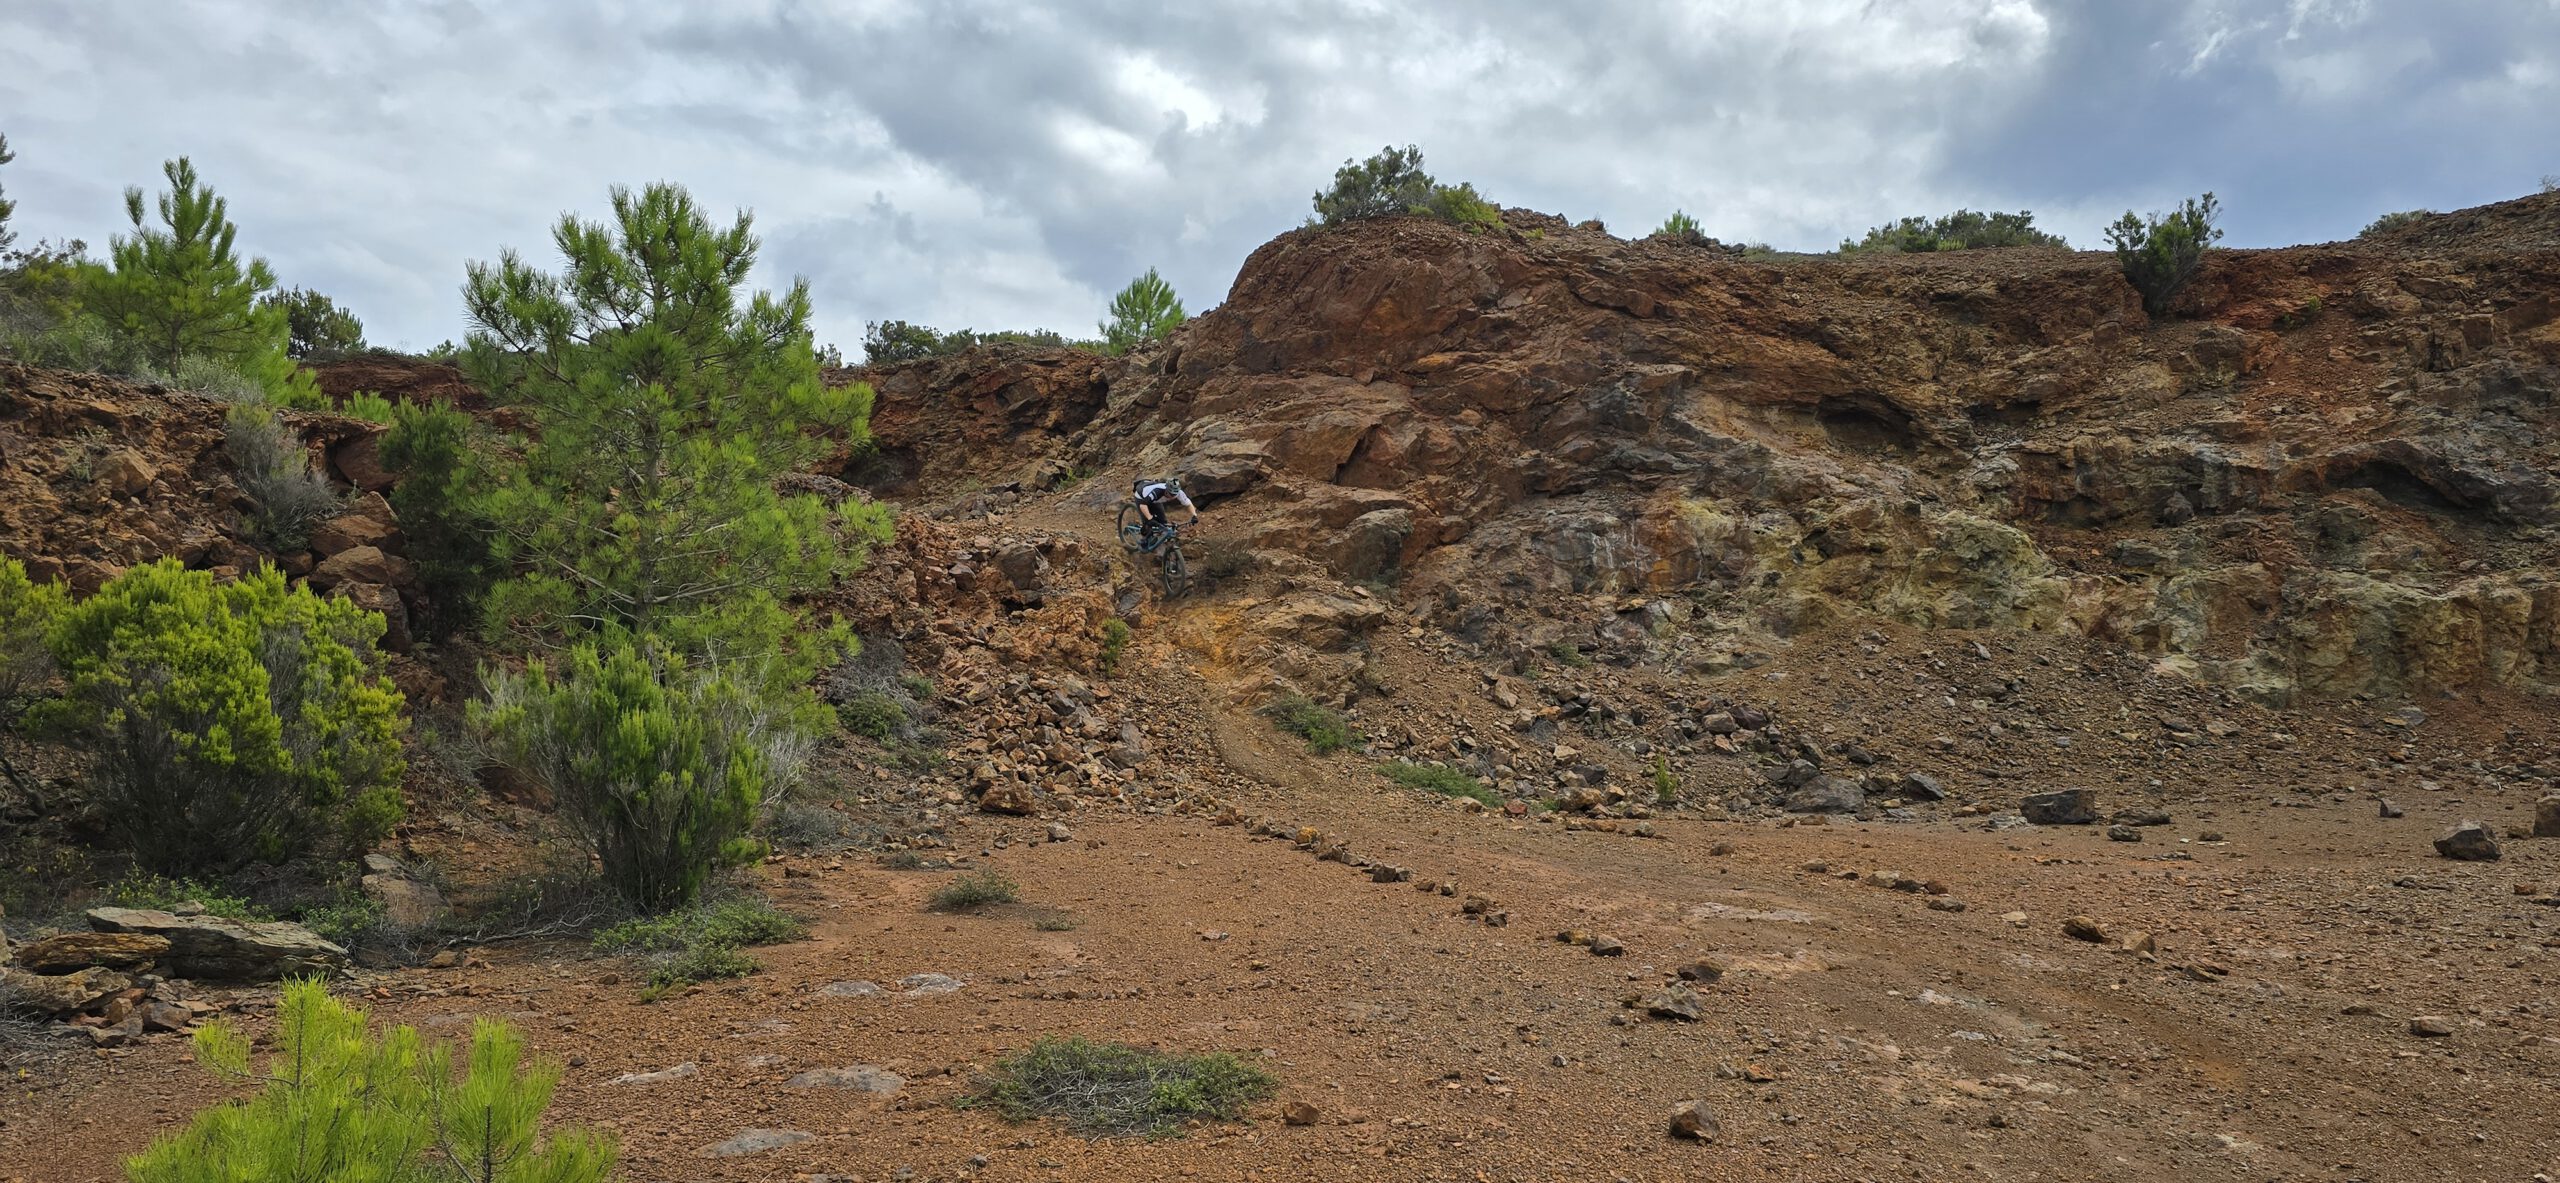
1167 548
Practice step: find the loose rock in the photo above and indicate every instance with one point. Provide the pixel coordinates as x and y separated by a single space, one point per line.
1691 1120
2468 842
2068 807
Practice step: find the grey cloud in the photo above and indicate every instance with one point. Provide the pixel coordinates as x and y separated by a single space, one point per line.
1009 165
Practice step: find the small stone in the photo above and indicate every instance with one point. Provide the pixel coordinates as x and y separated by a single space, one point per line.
1691 1120
1383 873
2083 928
1920 786
1607 947
1945 903
755 1142
2014 919
2391 808
1676 1001
2140 817
926 985
1700 971
860 1078
2468 842
2068 807
661 1076
1058 832
2431 1027
2546 817
855 988
1300 1113
2123 834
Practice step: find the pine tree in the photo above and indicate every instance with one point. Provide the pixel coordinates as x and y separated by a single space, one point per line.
666 407
343 1105
315 326
179 290
442 512
1143 311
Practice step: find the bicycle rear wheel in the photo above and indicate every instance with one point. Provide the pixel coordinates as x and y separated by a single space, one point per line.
1133 525
1177 574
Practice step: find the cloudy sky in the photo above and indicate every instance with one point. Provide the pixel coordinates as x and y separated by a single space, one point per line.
1010 165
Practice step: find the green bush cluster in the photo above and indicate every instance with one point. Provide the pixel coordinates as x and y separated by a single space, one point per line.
659 766
703 942
337 1101
1448 782
2162 254
1115 643
2387 223
977 889
227 722
1962 230
874 716
267 458
1115 1090
1393 182
1325 729
888 341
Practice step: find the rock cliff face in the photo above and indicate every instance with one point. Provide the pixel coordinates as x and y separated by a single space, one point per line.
2333 475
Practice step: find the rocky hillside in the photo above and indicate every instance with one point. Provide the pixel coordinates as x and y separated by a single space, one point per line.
2331 477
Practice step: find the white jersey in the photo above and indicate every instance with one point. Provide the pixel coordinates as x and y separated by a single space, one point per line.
1156 490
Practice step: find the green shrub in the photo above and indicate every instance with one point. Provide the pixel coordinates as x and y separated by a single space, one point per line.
1568 655
874 716
978 889
142 889
659 767
2162 255
349 920
1143 311
1054 922
1115 643
368 406
1391 182
27 610
1666 787
706 964
918 687
1462 205
2387 223
1962 230
275 471
796 825
229 722
338 1102
1448 782
443 514
701 943
1325 729
1115 1090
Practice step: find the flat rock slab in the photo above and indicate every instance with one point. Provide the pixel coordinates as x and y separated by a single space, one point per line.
860 1078
64 952
661 1076
928 985
853 989
214 949
756 1142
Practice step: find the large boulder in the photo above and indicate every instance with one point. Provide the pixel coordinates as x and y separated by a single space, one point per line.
362 564
212 948
2546 817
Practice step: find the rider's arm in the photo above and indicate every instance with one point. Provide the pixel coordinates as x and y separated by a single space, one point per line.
1186 503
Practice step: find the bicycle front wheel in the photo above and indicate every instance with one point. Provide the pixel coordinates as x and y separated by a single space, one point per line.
1177 574
1133 525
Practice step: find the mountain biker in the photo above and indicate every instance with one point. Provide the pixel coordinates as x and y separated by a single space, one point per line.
1155 496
